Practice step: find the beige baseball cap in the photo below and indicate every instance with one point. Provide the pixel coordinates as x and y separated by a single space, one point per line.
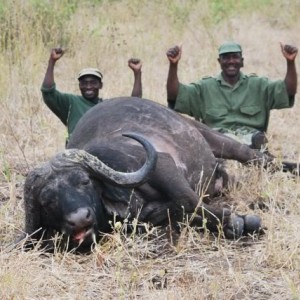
90 71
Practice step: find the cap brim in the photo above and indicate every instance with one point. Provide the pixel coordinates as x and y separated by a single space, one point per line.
90 72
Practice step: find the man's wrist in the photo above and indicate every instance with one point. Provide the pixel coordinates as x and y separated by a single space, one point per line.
51 61
290 62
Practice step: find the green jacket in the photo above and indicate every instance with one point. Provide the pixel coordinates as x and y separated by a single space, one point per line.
68 108
223 107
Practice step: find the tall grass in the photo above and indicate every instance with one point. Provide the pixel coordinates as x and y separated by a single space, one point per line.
106 34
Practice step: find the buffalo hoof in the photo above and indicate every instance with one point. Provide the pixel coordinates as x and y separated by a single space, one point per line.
252 224
235 227
243 225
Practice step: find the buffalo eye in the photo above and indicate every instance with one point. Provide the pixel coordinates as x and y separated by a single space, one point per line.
49 204
49 200
79 179
85 181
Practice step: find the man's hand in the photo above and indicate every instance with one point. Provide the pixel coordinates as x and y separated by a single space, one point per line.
289 51
135 64
174 54
56 53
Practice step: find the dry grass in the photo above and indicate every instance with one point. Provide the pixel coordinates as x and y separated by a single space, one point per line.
105 35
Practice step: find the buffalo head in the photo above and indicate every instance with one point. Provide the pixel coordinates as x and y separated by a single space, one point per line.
64 195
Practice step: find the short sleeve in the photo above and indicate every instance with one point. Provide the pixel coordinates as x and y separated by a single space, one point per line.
188 100
278 97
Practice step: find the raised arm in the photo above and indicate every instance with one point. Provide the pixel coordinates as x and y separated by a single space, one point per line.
135 64
56 54
174 55
290 53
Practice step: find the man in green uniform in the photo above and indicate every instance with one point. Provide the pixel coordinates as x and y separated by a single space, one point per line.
233 103
70 108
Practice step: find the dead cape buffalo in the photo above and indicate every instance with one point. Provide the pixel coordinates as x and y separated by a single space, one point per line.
151 174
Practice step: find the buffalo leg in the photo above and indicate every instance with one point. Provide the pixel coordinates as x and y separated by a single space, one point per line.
225 147
184 200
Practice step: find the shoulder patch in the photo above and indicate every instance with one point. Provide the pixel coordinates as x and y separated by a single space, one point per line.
207 77
252 75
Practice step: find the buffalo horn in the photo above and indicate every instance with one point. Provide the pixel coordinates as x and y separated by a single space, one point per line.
73 157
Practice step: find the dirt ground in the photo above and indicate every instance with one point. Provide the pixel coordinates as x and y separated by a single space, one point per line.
152 266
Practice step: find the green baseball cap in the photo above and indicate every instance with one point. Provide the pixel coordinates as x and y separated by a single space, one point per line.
228 47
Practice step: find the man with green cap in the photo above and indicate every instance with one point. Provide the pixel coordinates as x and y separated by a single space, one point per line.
233 103
70 108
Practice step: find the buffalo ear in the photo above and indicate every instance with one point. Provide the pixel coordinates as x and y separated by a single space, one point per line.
33 184
32 211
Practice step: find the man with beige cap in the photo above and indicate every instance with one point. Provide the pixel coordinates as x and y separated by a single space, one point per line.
69 108
233 103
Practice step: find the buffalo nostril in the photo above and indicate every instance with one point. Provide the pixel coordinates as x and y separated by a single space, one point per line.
72 224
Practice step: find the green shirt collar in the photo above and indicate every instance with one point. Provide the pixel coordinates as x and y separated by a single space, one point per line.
95 101
220 79
91 102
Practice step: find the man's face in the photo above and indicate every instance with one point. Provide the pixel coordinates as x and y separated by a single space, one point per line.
231 63
89 86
